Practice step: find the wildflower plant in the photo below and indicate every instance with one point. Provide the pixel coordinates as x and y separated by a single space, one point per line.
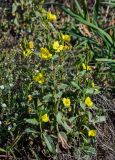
51 100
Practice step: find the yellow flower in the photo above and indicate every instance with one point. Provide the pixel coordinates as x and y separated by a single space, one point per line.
93 85
66 37
39 77
88 102
92 133
31 45
45 118
29 97
27 52
66 102
45 54
57 47
88 68
51 17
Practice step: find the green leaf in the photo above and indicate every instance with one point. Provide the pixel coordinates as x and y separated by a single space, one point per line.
72 119
85 10
49 142
16 22
37 14
29 130
82 73
14 8
47 97
59 94
59 118
79 8
55 57
105 60
62 86
89 150
62 122
74 84
89 91
100 119
82 105
89 116
96 10
2 150
66 127
32 121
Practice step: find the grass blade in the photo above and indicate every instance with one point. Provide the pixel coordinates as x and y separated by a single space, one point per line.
79 8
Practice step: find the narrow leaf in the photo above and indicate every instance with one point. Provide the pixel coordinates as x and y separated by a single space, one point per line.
2 150
49 142
32 121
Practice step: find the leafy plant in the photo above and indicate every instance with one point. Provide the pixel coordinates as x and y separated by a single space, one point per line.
47 80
